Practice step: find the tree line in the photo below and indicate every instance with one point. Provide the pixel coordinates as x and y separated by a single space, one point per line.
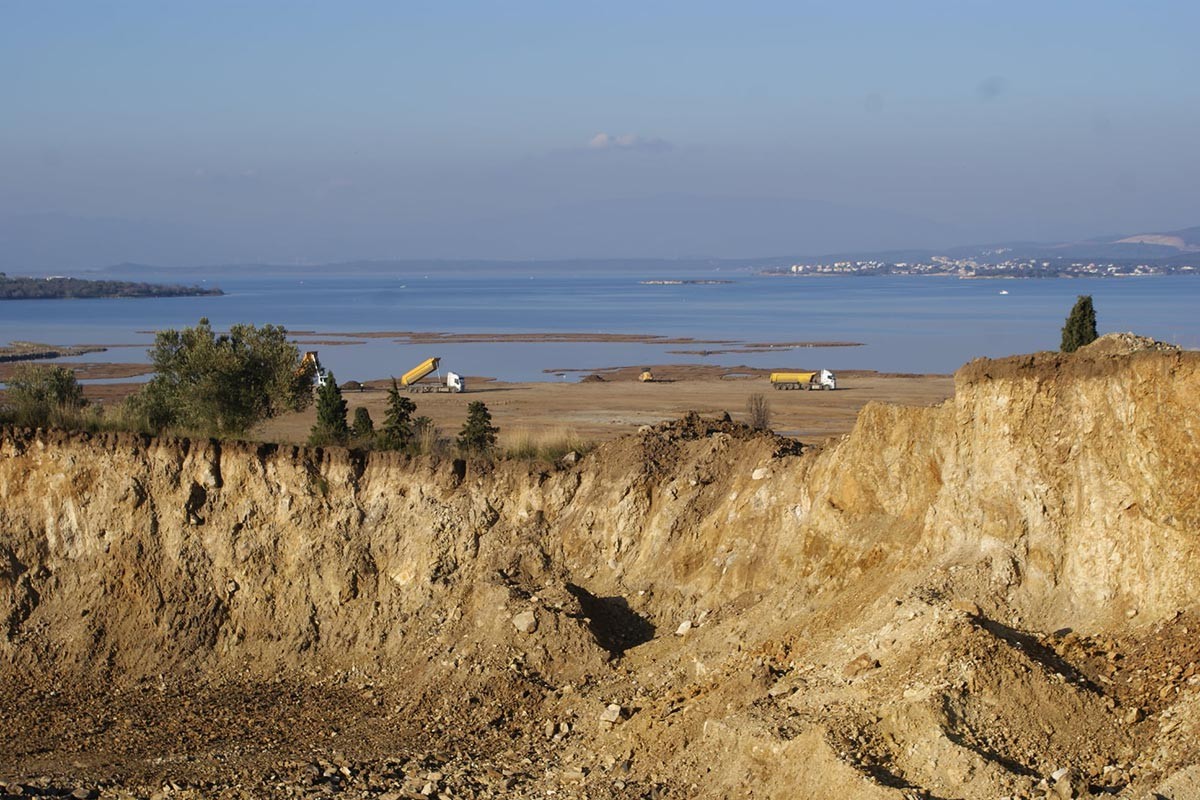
401 430
58 288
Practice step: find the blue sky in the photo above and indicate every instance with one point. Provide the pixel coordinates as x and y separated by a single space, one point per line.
291 131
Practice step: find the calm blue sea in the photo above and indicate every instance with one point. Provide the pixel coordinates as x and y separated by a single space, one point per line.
907 324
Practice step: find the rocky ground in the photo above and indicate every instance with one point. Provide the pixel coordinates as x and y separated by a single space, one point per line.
348 737
990 598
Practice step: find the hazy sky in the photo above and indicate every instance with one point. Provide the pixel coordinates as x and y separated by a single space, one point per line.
185 133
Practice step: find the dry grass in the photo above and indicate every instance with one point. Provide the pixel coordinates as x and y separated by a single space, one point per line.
549 444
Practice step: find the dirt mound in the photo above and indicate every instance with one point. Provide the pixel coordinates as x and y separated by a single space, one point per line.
993 597
1107 356
1120 344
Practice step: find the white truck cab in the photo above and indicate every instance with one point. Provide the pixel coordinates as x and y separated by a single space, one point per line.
825 379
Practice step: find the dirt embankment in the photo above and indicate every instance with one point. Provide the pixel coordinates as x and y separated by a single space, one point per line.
991 597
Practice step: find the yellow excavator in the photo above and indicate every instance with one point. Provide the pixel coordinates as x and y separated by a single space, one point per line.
311 365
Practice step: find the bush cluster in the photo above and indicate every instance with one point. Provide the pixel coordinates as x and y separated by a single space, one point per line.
44 396
400 431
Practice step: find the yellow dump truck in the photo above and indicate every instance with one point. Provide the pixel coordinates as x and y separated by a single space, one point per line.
821 379
412 379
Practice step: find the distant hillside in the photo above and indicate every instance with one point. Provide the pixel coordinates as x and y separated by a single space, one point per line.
1185 240
1169 248
58 288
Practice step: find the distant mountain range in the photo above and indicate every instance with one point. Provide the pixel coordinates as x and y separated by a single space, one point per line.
1165 249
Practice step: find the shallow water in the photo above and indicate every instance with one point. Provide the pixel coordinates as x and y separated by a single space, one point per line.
906 324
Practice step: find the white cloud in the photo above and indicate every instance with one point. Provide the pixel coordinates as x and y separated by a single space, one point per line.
628 141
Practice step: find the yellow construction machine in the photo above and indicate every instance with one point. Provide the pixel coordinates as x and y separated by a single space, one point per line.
412 379
311 365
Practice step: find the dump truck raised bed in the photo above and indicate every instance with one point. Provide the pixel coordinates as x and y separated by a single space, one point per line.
420 371
821 379
411 380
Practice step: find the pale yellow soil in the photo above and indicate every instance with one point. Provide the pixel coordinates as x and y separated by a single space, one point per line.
992 597
604 410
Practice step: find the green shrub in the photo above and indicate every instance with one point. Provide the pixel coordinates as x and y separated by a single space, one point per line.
41 396
364 426
223 384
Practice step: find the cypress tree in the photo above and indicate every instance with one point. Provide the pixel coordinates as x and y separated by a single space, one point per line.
1080 328
331 427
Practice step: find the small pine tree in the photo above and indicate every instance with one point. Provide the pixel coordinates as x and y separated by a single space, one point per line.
331 427
478 434
1080 328
363 428
398 428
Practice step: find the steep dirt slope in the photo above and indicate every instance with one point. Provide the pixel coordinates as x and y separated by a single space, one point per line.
991 597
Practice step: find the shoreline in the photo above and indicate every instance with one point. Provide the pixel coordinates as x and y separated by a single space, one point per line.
443 337
88 371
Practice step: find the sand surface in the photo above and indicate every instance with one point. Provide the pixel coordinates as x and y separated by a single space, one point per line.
602 410
597 410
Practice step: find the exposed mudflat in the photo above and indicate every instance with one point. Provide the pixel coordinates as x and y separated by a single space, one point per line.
991 597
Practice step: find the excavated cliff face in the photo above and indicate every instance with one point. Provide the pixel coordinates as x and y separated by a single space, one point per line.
1087 471
888 614
1076 476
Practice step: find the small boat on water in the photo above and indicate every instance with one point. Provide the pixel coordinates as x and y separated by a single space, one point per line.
1004 291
